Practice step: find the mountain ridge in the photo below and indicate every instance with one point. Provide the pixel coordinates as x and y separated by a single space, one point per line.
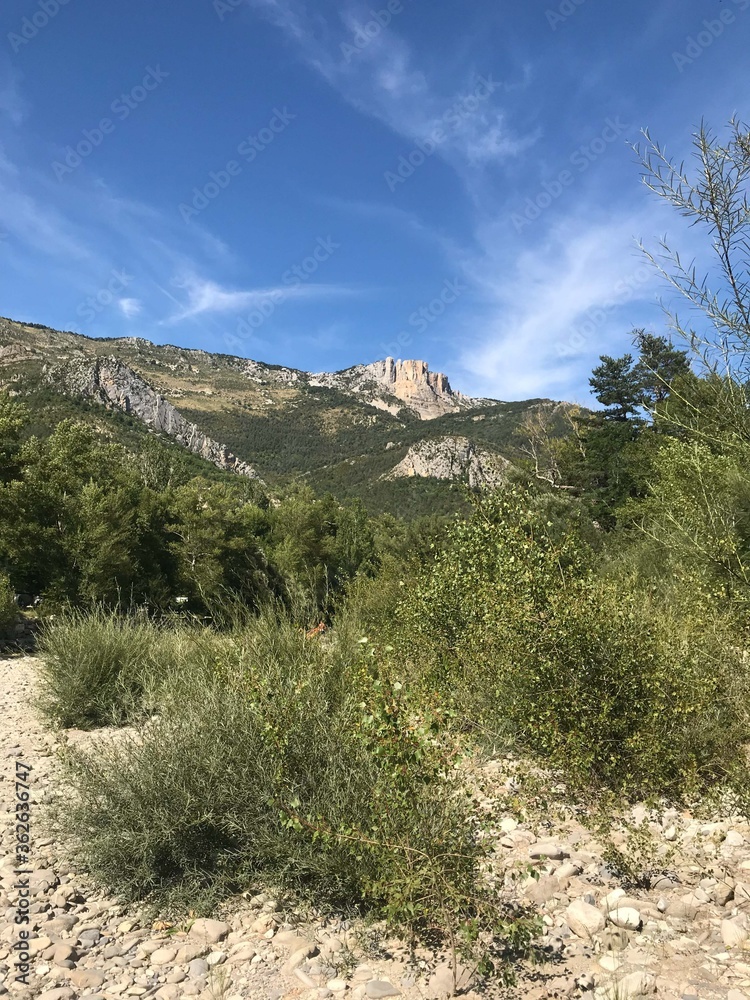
346 433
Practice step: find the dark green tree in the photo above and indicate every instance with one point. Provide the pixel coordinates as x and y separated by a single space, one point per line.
616 383
659 366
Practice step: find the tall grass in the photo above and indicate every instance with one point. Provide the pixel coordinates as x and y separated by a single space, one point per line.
97 667
8 609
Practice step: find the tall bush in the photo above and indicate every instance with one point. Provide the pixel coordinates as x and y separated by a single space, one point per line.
584 671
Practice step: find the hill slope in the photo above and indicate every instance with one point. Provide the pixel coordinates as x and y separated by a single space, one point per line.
344 432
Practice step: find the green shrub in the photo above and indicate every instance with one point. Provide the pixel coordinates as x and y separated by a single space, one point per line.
96 667
8 609
582 671
280 760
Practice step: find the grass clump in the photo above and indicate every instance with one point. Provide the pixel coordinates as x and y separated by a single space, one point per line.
96 667
8 609
277 760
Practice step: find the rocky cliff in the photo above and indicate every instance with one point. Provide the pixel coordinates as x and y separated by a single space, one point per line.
455 458
391 385
111 382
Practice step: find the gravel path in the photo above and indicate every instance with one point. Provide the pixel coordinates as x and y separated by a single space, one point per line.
686 936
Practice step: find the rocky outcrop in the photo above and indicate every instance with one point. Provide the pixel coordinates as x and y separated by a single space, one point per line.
391 385
115 385
455 458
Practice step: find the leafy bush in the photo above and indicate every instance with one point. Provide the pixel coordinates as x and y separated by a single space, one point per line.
96 668
580 670
277 759
8 609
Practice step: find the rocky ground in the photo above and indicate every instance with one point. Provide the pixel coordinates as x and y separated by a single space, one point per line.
686 934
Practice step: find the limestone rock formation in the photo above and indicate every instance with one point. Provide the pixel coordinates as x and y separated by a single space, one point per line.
453 458
391 385
111 382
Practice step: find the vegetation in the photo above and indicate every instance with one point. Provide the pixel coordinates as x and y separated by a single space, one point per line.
273 758
8 609
593 614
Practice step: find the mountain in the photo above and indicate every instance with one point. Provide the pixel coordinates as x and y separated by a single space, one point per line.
392 433
110 382
390 385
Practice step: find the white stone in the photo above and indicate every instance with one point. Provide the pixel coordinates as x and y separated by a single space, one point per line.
163 956
612 898
733 839
626 917
554 852
734 933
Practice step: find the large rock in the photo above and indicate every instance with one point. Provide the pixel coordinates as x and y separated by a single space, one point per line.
391 385
634 984
452 458
548 850
377 989
212 931
626 917
734 933
584 919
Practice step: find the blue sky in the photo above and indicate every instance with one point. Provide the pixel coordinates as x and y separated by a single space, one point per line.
322 184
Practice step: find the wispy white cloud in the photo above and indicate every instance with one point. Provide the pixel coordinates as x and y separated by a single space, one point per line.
560 305
379 79
130 307
12 103
206 297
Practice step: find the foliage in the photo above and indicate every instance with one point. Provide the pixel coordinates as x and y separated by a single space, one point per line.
660 366
86 521
715 200
580 670
96 667
273 758
8 609
616 384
